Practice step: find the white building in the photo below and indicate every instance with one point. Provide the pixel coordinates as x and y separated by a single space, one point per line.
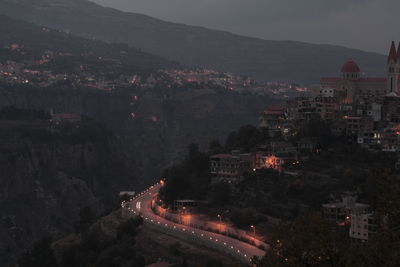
362 226
340 212
357 216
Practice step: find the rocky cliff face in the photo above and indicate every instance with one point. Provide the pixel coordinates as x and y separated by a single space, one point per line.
48 175
165 122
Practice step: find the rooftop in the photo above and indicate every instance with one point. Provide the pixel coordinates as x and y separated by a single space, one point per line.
350 66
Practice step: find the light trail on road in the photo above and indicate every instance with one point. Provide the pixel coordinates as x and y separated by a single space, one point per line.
142 207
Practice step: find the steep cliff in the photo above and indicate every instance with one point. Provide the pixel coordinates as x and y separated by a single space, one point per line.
166 121
50 173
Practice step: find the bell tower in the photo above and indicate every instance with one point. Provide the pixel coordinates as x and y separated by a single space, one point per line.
392 69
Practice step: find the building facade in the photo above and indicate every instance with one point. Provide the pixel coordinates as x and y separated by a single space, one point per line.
230 167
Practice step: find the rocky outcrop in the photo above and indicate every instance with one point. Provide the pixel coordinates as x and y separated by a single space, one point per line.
48 176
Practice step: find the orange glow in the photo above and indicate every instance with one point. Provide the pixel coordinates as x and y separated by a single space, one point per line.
162 211
273 162
186 219
222 228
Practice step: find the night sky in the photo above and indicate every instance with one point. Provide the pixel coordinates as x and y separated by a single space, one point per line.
365 24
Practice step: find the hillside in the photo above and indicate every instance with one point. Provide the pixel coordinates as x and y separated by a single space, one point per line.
51 174
262 59
37 40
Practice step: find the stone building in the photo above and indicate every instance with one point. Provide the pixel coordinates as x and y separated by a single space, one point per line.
230 167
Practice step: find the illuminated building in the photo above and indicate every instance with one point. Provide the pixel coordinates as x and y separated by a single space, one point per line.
352 85
275 155
230 167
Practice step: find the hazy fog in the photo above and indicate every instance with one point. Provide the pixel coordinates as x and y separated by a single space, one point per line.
345 22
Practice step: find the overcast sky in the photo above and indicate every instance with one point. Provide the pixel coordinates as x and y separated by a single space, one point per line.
365 24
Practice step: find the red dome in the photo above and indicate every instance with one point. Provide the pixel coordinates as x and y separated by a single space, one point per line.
350 66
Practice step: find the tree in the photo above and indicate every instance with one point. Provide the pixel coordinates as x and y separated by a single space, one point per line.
215 147
319 129
41 255
221 193
308 241
246 138
383 248
189 179
129 228
244 217
86 218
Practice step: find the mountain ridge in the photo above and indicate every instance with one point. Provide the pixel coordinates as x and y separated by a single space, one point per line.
15 31
271 60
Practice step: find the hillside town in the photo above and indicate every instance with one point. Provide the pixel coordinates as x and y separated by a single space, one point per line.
20 66
363 110
199 134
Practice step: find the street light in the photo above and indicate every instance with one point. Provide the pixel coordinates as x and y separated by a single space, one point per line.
254 230
220 222
182 212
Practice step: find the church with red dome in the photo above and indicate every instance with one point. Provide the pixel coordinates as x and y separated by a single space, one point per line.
351 84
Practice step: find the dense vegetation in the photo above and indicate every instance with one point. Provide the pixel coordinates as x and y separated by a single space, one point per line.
52 172
311 241
304 238
189 179
13 113
340 166
95 248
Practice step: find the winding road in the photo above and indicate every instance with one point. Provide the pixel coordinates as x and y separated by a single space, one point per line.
141 205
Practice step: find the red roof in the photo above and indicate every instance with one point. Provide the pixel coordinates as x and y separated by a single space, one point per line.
392 53
330 80
275 107
372 80
350 66
275 110
362 80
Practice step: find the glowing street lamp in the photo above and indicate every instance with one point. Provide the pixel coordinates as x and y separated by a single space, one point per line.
220 222
254 230
181 213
